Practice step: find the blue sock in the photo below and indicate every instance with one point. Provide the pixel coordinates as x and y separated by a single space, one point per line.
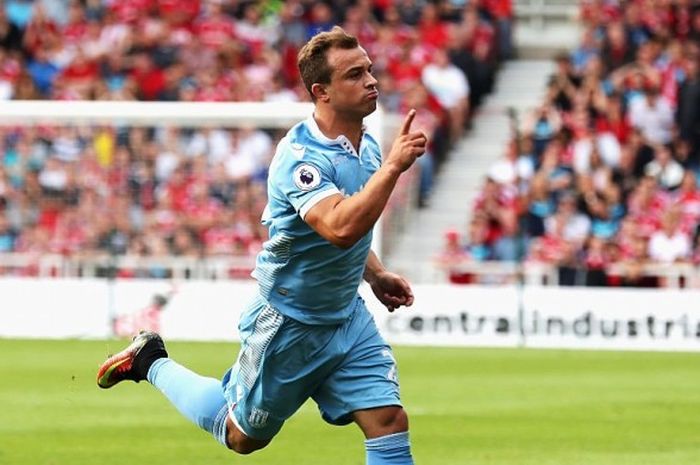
392 449
198 398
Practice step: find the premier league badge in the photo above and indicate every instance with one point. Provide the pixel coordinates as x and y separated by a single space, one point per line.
307 177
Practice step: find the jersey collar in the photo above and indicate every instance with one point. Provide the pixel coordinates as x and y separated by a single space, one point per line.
341 140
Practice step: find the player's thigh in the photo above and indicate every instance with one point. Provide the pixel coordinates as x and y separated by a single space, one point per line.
280 365
367 377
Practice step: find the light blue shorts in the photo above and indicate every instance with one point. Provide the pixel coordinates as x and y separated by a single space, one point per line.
283 362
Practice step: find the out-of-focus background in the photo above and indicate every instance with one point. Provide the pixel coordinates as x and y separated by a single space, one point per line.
551 232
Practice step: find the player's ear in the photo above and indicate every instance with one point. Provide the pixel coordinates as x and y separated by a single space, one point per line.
320 92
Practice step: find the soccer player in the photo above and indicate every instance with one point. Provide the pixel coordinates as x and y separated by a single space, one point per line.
308 333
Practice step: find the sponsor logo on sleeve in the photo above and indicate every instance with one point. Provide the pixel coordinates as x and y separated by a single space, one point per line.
298 150
307 177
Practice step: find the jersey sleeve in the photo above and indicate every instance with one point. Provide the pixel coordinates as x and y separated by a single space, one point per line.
304 180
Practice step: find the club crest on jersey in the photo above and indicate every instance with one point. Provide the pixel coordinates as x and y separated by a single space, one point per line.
307 177
258 418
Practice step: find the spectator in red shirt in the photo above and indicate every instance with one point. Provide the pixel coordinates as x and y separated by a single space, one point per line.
180 13
149 79
432 30
81 75
130 11
76 28
214 28
688 200
40 31
502 13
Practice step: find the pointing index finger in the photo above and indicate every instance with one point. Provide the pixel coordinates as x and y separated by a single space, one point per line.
406 126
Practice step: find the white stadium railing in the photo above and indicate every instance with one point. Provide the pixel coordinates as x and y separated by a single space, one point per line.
105 266
671 275
537 13
677 275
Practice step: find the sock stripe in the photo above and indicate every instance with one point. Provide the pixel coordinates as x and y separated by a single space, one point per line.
388 442
219 428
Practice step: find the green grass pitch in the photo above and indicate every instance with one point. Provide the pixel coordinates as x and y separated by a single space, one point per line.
467 406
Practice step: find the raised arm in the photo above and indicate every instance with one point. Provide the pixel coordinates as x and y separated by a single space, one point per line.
345 220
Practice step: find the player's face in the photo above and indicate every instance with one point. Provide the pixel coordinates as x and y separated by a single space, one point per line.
353 89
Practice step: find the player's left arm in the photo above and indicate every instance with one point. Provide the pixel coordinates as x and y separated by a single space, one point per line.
391 289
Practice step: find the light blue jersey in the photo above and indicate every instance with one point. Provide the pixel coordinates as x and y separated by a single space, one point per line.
308 334
300 273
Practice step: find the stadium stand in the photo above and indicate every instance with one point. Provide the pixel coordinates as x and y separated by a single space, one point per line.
599 181
165 199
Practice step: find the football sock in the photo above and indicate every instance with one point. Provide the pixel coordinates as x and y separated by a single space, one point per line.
198 398
149 353
392 449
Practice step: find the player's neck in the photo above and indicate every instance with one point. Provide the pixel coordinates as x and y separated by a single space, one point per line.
333 125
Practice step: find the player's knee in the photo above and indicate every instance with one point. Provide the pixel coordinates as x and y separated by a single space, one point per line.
391 420
242 444
243 448
398 421
246 446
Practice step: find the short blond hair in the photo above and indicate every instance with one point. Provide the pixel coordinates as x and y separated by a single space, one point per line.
312 59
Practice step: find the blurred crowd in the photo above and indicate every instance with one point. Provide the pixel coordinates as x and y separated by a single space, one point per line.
200 191
601 180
